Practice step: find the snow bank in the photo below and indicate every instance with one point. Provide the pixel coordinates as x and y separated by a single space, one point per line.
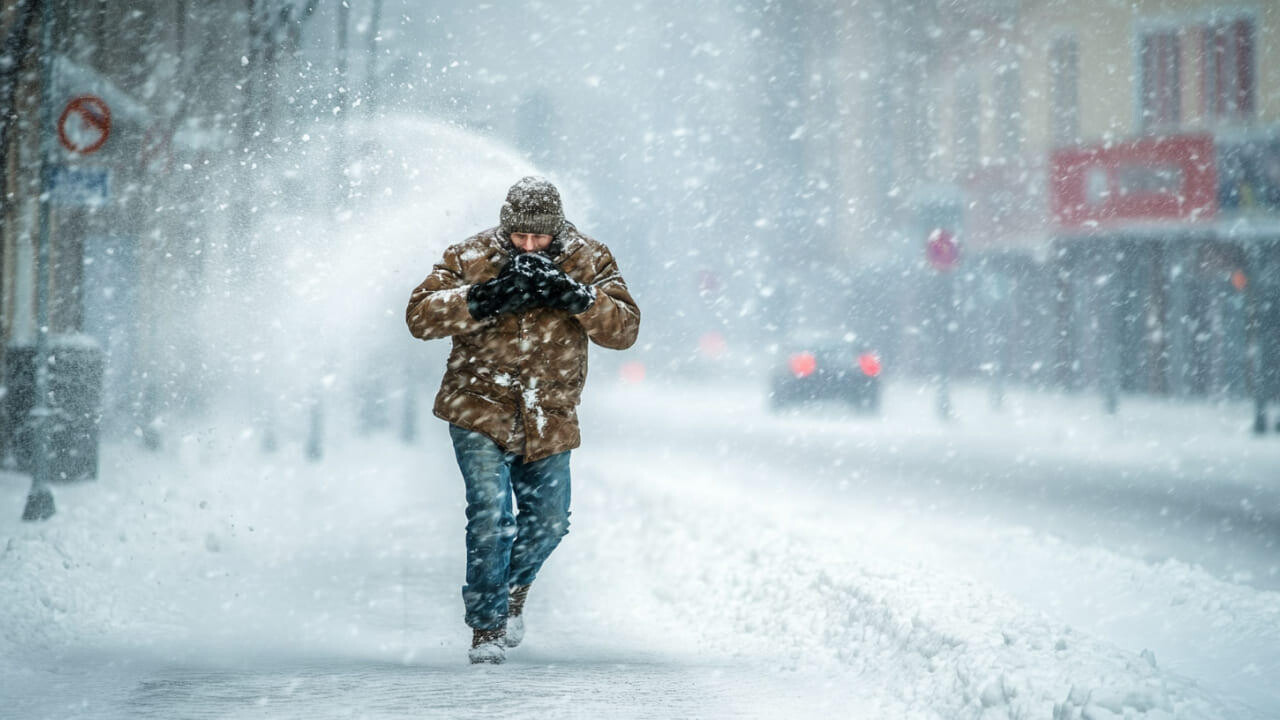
801 593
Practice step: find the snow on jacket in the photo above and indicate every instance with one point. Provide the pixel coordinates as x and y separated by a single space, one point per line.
520 373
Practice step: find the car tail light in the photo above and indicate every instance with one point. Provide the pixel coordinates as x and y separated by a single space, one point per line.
869 363
803 364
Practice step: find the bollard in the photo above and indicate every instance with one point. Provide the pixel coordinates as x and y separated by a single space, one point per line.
315 432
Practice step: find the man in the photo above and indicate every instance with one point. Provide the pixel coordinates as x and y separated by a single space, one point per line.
520 301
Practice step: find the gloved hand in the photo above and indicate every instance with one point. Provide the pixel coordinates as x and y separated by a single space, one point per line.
552 287
509 292
529 280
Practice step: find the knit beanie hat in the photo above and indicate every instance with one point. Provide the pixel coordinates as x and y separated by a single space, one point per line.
532 206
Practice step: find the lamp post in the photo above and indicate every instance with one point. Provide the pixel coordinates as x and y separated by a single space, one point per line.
942 252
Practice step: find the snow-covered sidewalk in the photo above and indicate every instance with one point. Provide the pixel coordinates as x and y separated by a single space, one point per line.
214 581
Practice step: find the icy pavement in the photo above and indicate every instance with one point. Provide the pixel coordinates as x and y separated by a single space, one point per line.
708 573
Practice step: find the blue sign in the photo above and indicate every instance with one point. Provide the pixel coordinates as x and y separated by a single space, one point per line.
79 186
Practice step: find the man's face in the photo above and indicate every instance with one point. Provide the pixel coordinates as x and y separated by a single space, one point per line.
530 242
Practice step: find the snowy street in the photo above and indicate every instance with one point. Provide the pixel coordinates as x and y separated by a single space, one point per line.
723 563
910 359
1207 498
1153 529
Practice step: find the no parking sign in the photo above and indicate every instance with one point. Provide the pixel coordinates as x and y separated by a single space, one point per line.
84 125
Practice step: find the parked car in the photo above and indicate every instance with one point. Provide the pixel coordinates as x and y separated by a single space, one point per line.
819 367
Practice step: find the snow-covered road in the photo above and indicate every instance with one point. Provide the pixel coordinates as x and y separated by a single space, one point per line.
1207 493
722 563
1156 529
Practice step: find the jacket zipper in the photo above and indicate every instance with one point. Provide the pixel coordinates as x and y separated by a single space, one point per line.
524 417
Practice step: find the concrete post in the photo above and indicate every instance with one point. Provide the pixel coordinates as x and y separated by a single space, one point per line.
945 318
1108 309
40 505
1179 272
1253 342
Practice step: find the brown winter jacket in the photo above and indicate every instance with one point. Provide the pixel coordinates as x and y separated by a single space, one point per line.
525 370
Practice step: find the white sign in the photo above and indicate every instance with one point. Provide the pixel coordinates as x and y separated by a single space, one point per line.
79 186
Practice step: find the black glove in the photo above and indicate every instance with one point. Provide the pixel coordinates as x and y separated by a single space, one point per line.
506 293
529 280
552 287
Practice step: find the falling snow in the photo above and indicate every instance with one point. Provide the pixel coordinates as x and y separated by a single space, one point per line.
957 393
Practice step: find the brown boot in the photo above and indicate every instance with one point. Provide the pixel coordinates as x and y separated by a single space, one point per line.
515 615
487 646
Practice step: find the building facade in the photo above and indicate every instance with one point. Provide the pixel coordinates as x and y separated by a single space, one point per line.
1130 152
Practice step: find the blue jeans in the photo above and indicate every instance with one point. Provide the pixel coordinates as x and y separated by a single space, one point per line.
505 549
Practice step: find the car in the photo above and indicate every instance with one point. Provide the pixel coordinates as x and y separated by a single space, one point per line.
813 368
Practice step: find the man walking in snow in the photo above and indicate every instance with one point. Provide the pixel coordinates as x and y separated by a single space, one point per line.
520 301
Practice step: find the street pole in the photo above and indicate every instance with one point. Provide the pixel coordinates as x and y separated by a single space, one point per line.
40 504
940 220
946 320
1109 295
1001 296
1253 351
409 424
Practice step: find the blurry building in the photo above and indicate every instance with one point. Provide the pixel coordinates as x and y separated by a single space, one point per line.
125 254
1127 155
884 113
103 221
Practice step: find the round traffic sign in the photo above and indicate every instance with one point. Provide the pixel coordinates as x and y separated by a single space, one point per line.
1239 280
941 250
85 124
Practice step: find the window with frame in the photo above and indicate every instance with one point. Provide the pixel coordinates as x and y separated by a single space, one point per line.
1228 85
966 135
1008 91
1160 78
1064 90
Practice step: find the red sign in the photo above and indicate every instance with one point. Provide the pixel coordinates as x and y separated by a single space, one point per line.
1157 178
1239 280
942 251
84 125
